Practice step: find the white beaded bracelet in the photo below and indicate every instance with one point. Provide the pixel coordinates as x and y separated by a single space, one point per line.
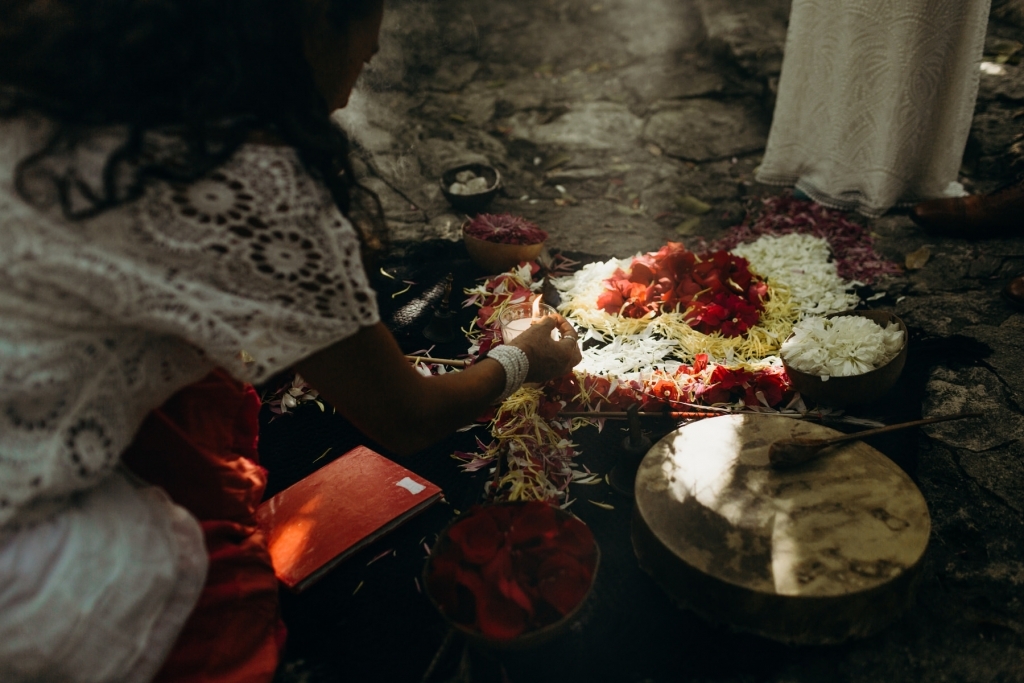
516 365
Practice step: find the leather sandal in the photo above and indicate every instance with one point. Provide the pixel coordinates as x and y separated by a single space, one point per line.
997 214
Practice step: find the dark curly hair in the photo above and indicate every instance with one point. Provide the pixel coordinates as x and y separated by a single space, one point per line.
212 73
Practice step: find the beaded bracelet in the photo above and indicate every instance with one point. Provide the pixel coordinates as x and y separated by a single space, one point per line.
516 365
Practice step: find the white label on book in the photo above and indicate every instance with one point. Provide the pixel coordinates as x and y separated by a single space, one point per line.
411 486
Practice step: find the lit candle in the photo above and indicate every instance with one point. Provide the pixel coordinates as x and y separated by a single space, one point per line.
515 320
514 328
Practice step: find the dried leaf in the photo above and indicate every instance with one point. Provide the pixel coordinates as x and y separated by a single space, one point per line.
692 205
917 259
604 506
688 226
556 161
627 211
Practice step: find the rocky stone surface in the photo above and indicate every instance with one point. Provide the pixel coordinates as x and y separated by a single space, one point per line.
602 115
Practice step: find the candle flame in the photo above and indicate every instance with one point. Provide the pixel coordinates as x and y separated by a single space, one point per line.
536 307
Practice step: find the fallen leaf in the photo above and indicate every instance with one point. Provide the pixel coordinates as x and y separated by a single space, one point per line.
688 226
692 205
916 259
556 161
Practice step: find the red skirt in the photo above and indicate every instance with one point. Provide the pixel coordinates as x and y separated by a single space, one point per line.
200 447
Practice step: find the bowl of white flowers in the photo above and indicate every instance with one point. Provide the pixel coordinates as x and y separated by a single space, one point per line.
849 358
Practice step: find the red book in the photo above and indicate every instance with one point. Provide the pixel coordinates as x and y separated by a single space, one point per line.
328 516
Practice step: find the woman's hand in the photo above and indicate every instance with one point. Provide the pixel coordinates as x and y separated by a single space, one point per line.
549 358
371 383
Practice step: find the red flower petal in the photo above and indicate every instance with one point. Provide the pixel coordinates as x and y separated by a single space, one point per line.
563 582
443 578
534 522
499 618
477 537
576 539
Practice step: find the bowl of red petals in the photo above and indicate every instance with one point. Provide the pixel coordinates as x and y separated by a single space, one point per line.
500 242
470 187
512 575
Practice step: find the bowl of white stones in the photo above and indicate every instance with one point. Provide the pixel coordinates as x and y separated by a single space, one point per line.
848 358
470 187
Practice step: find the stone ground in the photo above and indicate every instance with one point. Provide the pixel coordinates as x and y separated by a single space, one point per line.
603 114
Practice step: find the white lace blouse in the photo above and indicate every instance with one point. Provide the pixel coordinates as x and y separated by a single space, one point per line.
101 321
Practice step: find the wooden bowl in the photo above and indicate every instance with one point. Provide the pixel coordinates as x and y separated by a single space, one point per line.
495 257
478 201
529 639
854 389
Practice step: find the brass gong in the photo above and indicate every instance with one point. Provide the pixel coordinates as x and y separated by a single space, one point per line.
820 553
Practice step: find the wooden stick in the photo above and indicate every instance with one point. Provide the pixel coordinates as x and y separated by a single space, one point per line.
622 415
790 452
674 415
440 361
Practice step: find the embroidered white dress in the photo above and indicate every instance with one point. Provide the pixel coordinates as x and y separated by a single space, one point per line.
875 100
101 321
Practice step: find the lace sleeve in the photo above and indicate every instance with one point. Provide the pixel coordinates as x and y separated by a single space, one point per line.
102 320
255 257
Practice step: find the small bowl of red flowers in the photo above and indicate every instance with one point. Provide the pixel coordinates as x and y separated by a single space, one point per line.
470 187
511 576
500 242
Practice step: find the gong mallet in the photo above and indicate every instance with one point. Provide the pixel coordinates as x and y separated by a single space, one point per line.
792 452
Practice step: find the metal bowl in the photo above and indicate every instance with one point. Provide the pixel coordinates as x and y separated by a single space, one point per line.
854 389
478 201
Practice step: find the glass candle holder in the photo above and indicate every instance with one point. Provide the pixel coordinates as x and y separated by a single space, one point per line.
516 319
